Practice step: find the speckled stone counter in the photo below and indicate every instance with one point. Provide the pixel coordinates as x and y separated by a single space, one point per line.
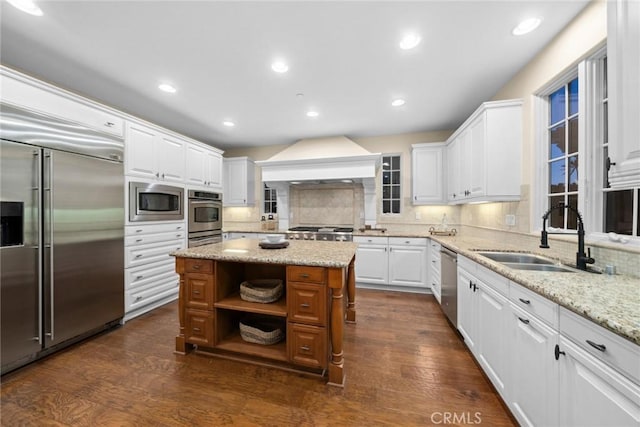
610 301
299 252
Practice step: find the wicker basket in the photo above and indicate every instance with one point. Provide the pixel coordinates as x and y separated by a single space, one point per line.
261 290
258 330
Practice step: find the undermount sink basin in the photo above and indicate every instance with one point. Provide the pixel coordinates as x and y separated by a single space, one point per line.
526 261
539 267
515 257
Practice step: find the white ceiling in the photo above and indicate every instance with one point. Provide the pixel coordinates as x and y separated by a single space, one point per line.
343 56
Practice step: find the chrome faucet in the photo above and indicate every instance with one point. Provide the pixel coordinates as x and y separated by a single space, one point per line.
582 259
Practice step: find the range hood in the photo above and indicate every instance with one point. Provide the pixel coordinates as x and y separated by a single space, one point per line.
322 160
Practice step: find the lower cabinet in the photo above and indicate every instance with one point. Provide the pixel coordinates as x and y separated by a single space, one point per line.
533 376
435 279
551 366
213 310
394 263
150 277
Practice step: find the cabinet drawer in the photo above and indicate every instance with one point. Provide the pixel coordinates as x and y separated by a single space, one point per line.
412 241
198 327
497 281
136 230
145 254
372 240
306 274
139 297
144 239
307 303
148 274
617 352
194 265
307 345
534 304
199 290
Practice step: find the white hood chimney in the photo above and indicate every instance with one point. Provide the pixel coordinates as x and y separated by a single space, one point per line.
321 160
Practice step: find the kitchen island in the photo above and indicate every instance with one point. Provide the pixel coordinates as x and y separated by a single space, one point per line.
311 311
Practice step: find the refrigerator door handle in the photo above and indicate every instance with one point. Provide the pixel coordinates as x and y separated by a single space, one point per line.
49 189
38 189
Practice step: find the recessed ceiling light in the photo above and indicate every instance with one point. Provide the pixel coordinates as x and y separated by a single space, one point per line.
228 123
526 26
166 87
280 67
397 102
27 6
312 114
409 41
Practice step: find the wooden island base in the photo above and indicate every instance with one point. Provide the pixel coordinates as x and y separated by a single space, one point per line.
312 312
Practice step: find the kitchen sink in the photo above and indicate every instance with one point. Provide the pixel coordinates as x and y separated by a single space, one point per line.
515 258
526 261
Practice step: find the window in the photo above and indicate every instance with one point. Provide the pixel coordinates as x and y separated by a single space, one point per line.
617 205
391 191
563 154
270 200
573 146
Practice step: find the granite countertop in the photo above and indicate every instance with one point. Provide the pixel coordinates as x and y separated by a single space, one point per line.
611 301
299 252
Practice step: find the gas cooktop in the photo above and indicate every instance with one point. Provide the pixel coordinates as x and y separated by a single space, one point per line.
340 234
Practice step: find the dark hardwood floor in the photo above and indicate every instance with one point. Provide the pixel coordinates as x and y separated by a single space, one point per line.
404 365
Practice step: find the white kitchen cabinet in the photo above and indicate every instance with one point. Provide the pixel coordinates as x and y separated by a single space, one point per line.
408 262
238 235
593 394
154 155
483 154
372 260
239 181
26 92
623 62
533 371
150 278
434 276
204 167
428 173
483 314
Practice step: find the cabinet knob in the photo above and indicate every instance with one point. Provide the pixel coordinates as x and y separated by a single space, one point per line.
157 174
162 176
557 352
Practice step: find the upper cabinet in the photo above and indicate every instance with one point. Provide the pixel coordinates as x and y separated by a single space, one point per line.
239 181
204 167
26 92
623 62
428 173
484 155
154 155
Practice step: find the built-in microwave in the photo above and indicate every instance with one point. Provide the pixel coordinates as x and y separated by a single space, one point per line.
155 202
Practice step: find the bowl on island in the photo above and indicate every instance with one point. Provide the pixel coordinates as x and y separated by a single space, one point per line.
274 238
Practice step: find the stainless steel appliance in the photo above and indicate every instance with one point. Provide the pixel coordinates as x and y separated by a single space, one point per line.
449 288
337 234
205 218
155 202
62 234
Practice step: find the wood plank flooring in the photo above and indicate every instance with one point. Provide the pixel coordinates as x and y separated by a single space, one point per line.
405 366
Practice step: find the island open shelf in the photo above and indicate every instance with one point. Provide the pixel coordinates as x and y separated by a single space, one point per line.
311 312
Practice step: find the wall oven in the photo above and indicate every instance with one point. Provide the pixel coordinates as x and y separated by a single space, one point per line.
155 202
205 218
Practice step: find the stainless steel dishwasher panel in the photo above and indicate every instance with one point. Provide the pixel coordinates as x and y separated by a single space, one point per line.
449 272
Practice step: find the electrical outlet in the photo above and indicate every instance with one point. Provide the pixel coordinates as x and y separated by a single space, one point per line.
510 220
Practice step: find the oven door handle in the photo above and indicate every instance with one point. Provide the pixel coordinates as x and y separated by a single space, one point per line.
200 202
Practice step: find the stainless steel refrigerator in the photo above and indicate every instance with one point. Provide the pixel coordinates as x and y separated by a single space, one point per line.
62 234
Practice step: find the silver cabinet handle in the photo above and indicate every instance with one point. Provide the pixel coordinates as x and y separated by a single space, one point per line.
196 267
305 348
196 329
305 305
49 158
196 292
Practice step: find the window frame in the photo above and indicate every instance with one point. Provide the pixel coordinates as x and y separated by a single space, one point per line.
590 152
272 202
401 198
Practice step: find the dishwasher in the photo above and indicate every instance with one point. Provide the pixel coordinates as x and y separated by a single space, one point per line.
449 289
